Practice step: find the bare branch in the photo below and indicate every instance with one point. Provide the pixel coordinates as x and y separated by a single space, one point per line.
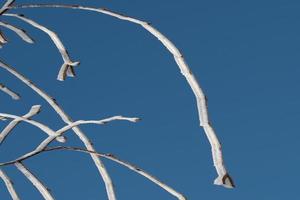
110 157
18 31
39 125
223 176
3 40
33 111
58 134
9 185
8 91
100 166
35 181
5 7
67 67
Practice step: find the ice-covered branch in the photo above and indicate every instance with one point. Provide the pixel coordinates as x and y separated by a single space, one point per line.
8 91
9 185
110 157
33 111
223 176
35 181
20 32
67 69
100 166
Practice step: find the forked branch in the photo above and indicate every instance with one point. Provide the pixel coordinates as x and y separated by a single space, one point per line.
223 176
67 69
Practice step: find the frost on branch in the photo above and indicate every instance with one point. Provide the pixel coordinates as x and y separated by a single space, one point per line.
67 70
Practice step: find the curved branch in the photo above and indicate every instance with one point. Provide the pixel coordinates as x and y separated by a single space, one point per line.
110 157
9 185
6 5
223 176
33 111
100 166
8 91
67 67
35 181
20 32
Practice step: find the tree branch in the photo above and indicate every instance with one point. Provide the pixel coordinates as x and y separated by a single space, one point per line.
8 91
223 176
9 185
33 111
67 69
20 32
35 181
112 158
100 166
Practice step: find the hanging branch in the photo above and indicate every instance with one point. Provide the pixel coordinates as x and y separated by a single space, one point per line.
8 91
35 181
100 166
107 156
9 185
33 111
67 67
20 32
223 176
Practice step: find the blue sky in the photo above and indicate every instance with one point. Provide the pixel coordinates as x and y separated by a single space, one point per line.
245 56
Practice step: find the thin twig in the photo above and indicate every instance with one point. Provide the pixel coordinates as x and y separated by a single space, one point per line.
67 69
9 185
110 157
35 181
18 31
8 91
100 166
223 176
33 111
5 7
3 39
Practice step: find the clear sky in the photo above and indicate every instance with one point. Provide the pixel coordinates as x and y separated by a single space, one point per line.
245 55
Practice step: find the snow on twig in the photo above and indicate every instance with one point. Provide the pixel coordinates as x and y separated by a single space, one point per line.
223 177
98 163
20 32
67 67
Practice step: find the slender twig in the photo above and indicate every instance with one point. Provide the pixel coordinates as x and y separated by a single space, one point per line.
33 111
35 181
110 157
223 176
8 91
18 31
100 166
61 131
5 7
9 185
67 67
